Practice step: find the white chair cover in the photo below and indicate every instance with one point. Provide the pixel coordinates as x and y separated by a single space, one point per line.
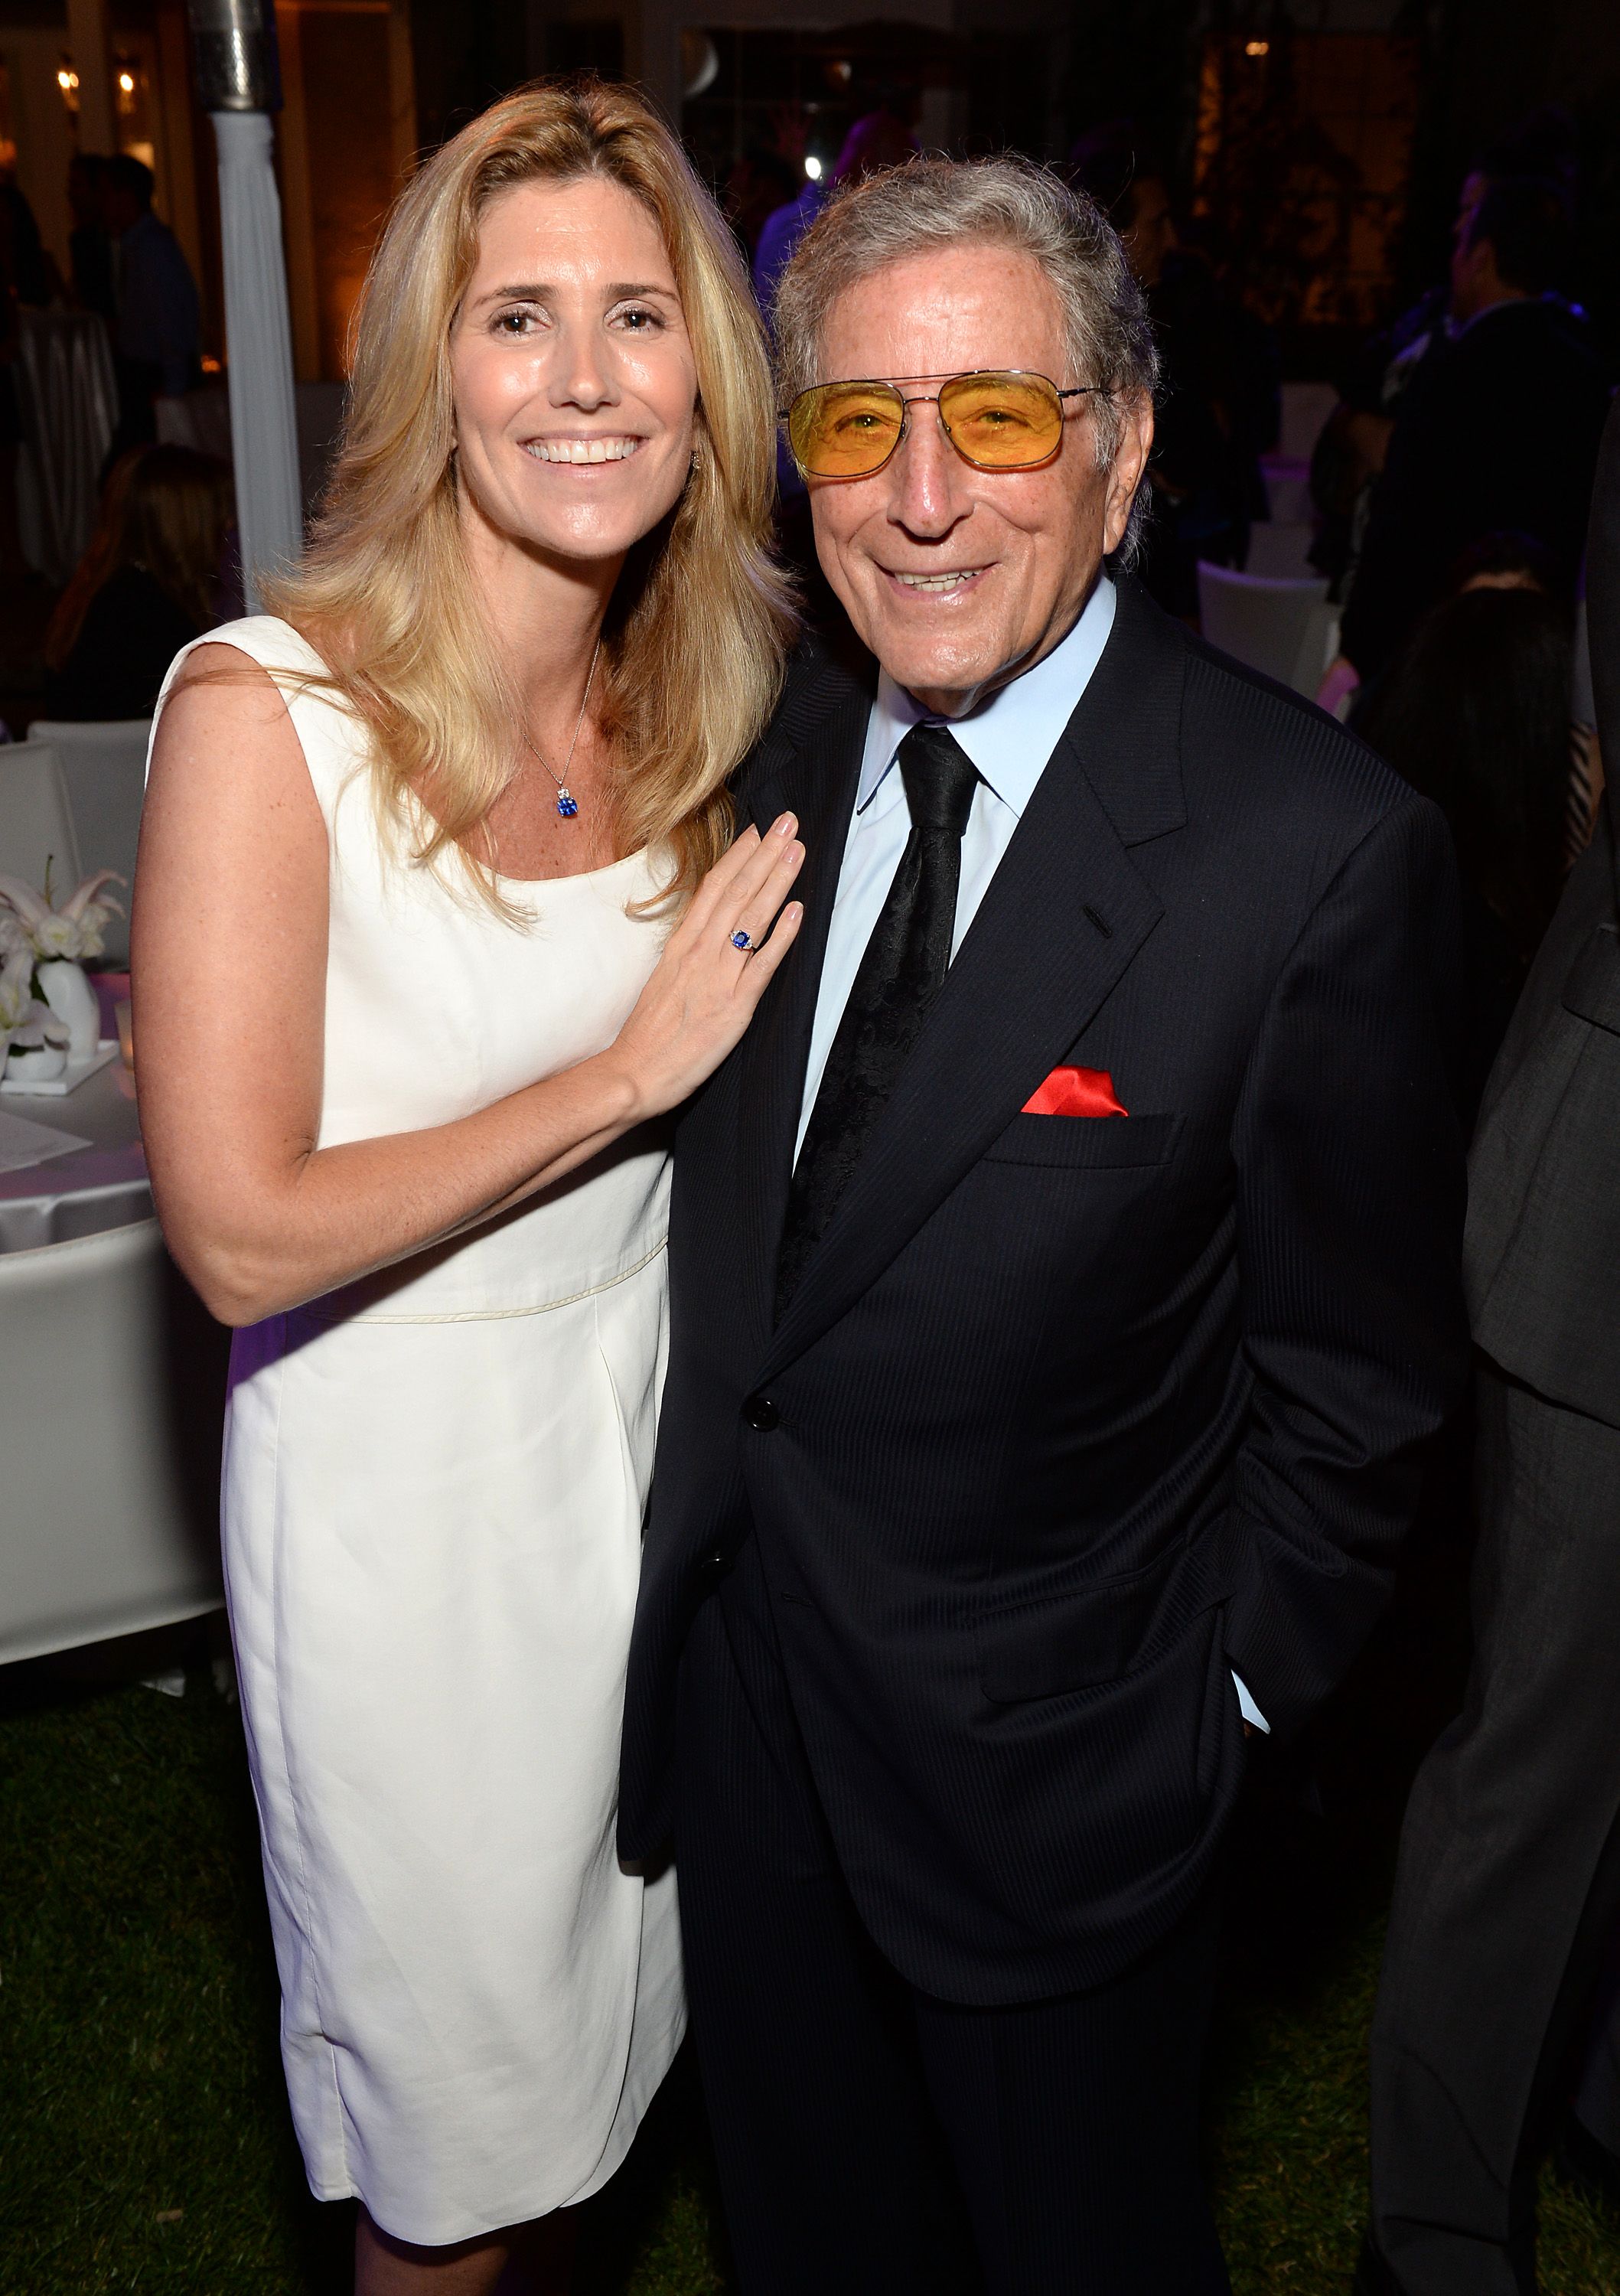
28 1222
1318 647
1305 407
1287 488
111 1385
36 820
1269 625
1281 553
68 401
103 765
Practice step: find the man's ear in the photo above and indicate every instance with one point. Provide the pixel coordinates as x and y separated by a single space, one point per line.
1130 468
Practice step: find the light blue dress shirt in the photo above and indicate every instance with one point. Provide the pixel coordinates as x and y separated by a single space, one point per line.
1010 737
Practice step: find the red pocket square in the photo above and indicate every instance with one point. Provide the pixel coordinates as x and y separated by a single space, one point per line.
1076 1091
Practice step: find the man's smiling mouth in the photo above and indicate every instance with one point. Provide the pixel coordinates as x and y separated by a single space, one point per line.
937 586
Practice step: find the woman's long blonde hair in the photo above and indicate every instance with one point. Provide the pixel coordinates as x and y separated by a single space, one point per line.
697 630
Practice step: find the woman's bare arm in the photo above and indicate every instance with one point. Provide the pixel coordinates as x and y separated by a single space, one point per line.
229 961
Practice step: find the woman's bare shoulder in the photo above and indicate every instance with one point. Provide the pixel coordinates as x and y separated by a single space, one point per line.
261 656
224 721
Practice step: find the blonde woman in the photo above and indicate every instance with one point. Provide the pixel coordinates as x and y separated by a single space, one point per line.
436 911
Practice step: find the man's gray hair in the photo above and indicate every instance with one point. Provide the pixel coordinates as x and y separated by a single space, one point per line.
933 203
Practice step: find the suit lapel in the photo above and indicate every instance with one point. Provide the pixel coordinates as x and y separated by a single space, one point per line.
815 777
1064 915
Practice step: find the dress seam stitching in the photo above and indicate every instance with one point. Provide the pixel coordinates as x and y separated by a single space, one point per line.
494 1314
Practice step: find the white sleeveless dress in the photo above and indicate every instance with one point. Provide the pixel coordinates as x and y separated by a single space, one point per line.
434 1487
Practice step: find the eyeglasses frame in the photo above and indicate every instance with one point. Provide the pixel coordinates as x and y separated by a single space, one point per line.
928 399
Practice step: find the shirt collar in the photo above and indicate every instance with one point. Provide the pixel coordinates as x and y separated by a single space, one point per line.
1011 736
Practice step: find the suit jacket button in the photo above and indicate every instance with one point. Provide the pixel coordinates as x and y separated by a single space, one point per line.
761 1413
714 1567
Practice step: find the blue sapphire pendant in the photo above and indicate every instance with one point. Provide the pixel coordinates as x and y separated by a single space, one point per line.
567 806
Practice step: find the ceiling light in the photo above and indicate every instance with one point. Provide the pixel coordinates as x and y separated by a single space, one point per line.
813 167
1257 48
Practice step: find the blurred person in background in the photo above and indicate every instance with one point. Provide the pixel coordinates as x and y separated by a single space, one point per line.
10 412
1351 451
757 186
1475 714
1512 562
880 139
1508 1887
1218 403
27 277
89 240
1498 430
25 260
148 584
157 342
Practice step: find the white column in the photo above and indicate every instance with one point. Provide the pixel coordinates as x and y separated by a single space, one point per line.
259 350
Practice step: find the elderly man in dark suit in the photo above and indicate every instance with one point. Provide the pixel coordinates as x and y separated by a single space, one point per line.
1064 1282
1508 1885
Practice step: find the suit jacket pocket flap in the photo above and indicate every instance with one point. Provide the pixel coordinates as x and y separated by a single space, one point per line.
1592 991
1091 1142
1076 1641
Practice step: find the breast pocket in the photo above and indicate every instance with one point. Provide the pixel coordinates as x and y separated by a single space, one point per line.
1085 1143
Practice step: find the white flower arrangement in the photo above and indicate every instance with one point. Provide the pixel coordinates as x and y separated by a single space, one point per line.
27 1025
34 932
73 932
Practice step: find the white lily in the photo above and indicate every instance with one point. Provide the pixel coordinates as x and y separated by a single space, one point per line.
43 1029
73 930
84 892
26 1025
32 907
16 988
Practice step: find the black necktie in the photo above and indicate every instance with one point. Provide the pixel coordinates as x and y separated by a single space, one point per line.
905 962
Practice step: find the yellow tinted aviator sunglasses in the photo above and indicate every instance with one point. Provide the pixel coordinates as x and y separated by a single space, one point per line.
999 419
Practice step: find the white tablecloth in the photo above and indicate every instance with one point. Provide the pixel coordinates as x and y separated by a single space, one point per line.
104 1186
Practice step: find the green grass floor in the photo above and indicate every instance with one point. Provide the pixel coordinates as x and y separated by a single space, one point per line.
144 2142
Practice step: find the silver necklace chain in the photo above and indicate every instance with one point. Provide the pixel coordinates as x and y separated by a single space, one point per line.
568 804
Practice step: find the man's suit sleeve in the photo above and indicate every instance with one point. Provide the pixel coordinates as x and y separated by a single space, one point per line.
1350 1204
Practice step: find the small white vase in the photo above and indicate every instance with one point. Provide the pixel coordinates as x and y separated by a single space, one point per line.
40 1066
67 990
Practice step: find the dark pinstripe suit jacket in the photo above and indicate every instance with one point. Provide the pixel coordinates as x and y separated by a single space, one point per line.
1067 1417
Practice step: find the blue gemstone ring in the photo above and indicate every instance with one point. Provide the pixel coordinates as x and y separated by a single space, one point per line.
744 941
